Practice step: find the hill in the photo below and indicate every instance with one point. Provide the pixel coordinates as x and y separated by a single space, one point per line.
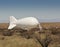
49 36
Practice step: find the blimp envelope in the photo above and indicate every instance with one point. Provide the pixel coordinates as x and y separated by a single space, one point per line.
24 23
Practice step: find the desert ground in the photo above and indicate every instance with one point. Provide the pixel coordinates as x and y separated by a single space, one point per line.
49 36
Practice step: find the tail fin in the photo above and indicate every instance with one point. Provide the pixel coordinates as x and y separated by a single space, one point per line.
12 22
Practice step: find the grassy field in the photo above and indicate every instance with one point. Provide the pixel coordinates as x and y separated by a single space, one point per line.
49 36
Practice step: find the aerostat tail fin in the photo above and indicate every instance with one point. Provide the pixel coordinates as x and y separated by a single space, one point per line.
12 23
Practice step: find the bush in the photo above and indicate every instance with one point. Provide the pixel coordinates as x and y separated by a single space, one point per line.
6 33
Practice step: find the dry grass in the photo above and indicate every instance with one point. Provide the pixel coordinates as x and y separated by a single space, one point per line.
48 37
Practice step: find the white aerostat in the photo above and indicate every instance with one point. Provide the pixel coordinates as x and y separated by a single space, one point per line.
24 23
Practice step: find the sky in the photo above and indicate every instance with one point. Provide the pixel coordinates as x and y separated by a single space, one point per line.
43 10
